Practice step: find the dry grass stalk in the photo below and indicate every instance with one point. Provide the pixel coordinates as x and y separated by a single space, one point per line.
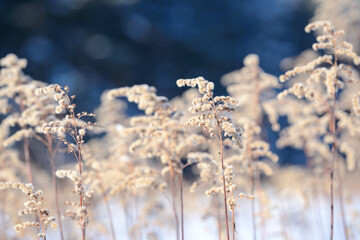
254 88
76 128
159 134
213 114
322 87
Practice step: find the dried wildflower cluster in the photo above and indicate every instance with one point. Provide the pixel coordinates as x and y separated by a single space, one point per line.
345 13
211 174
107 176
156 168
72 123
252 87
80 214
317 117
158 134
35 205
213 111
311 121
256 149
23 110
26 111
215 119
73 126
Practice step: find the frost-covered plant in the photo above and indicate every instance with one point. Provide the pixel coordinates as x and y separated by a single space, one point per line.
321 119
159 134
80 213
21 107
213 116
35 205
117 164
116 175
26 112
70 130
253 88
106 158
346 15
12 169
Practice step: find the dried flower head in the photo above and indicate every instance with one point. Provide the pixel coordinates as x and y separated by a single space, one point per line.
74 127
213 111
310 121
35 205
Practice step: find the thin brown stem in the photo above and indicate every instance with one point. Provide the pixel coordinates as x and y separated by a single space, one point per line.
233 223
252 177
332 193
3 232
56 191
173 186
218 216
341 203
42 224
223 177
220 140
333 131
107 209
259 190
79 159
181 207
173 196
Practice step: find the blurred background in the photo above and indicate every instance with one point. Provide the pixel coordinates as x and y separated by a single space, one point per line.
93 45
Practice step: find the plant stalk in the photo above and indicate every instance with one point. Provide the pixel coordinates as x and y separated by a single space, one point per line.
181 207
27 160
107 209
223 177
56 191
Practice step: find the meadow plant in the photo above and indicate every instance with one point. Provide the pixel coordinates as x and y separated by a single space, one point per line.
114 172
346 15
19 105
106 158
26 113
214 118
159 134
12 169
253 88
75 128
326 78
35 205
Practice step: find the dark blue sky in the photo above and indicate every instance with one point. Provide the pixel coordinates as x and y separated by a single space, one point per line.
94 45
